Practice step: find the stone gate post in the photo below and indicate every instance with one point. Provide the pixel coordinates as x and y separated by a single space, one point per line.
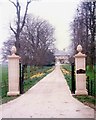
13 73
80 72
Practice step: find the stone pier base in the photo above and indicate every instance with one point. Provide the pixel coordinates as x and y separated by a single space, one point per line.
13 93
80 92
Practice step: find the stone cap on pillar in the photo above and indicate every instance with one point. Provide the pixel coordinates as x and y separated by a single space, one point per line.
79 54
13 51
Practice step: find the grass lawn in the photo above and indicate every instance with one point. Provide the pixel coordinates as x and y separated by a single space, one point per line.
91 73
3 80
29 81
88 100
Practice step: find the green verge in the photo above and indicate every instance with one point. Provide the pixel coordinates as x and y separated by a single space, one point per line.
87 100
28 83
67 76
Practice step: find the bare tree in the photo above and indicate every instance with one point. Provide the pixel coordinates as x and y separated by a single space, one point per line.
6 49
19 23
39 35
83 27
36 42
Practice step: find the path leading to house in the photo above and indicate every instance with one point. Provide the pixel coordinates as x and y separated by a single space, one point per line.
50 98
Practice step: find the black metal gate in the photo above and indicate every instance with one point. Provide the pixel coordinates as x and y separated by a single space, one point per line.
73 77
21 79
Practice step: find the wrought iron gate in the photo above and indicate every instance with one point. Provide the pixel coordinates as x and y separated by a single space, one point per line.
21 79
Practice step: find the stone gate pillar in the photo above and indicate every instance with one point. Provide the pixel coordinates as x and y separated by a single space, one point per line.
13 73
80 72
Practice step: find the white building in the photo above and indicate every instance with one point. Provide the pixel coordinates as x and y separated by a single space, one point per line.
61 56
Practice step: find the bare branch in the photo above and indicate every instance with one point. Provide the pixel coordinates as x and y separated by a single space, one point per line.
28 2
12 29
13 3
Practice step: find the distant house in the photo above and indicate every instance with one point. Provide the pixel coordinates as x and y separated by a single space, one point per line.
61 56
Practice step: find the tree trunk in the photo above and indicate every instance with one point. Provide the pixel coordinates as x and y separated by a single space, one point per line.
17 44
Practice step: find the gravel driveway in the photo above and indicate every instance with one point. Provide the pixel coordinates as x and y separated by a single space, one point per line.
49 98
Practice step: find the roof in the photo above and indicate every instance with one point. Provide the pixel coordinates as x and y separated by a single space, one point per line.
60 53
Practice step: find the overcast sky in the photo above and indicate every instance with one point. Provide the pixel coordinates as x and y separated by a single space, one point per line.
58 12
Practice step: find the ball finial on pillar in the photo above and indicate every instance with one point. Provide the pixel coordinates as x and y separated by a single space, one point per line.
79 48
13 50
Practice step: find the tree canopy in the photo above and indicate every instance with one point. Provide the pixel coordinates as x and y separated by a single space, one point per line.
36 42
